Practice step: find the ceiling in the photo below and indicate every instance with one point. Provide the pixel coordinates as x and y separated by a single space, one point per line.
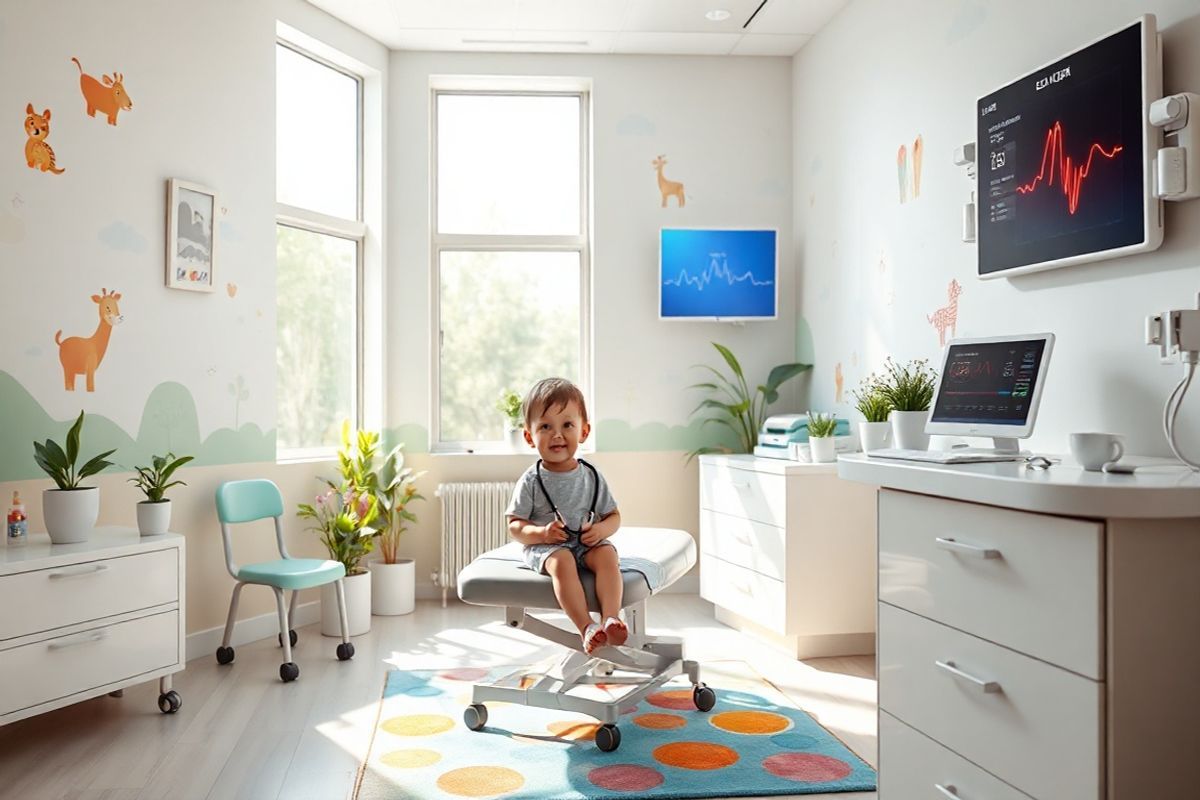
674 27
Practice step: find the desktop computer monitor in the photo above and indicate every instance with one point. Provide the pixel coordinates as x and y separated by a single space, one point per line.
991 387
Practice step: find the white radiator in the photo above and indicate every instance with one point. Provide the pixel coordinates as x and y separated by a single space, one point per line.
472 523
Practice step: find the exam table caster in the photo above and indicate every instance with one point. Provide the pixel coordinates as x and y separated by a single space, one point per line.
475 716
703 697
608 737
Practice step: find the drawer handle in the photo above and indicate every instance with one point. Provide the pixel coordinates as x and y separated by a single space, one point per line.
988 687
955 546
87 638
78 573
949 790
740 485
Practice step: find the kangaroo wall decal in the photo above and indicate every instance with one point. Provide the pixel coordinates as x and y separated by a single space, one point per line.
947 316
665 187
81 356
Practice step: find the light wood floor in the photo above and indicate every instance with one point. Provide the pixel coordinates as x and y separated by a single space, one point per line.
244 734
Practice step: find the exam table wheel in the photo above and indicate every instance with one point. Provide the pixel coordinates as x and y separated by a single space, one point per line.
289 671
475 716
292 637
345 651
703 697
170 702
224 655
608 737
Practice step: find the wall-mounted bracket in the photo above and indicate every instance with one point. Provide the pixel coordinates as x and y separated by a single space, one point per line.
964 156
1177 166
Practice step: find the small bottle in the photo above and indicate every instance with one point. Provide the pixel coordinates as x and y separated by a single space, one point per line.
18 523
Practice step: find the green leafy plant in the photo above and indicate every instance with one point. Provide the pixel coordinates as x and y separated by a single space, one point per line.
821 426
343 520
59 464
871 401
153 480
509 405
737 408
397 488
908 387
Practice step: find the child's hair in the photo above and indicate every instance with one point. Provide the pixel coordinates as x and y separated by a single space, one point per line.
551 393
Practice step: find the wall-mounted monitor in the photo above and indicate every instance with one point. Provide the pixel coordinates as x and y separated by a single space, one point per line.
717 274
1065 158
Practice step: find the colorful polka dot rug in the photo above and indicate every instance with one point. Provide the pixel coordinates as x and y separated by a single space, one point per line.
753 742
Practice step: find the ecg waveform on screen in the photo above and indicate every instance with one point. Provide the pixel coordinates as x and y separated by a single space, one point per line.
1070 175
718 269
969 370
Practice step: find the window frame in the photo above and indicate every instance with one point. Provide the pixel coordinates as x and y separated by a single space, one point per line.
326 225
456 242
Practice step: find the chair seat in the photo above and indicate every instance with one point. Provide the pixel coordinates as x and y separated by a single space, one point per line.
293 573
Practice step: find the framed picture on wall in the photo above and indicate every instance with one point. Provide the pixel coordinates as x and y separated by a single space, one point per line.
191 236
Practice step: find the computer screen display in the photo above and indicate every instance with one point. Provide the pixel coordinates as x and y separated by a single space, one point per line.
989 383
714 274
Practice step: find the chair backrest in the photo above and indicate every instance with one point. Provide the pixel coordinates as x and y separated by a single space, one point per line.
247 501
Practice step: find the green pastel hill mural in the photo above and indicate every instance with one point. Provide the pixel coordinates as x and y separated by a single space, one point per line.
169 423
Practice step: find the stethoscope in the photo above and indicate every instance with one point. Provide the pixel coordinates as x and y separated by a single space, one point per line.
591 514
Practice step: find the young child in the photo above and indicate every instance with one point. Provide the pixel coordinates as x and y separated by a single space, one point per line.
563 512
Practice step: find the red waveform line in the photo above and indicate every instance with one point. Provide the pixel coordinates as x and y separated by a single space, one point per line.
1070 175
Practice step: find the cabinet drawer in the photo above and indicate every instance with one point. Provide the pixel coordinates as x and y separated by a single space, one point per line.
1041 592
43 671
1039 728
743 542
741 493
911 765
52 598
744 592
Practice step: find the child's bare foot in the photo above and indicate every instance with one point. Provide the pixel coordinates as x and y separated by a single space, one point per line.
594 637
615 631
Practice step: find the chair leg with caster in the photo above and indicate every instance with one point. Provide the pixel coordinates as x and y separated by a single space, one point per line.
288 670
291 620
225 652
345 650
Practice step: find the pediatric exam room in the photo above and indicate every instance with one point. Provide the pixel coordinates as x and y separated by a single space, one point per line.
592 399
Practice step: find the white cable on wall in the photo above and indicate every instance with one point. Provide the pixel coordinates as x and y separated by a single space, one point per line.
1171 412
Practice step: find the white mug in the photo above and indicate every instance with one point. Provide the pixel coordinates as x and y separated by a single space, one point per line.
1094 450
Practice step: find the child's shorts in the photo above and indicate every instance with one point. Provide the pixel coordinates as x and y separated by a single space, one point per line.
536 554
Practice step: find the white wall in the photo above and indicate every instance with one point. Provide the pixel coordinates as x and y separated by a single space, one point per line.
872 269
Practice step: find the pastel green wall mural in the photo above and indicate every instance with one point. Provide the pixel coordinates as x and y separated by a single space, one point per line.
169 423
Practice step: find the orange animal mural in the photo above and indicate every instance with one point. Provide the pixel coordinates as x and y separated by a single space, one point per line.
947 316
38 152
80 355
839 381
665 187
918 153
109 97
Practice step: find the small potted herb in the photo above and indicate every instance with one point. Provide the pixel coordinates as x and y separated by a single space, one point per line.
909 388
821 446
70 510
509 405
154 513
875 407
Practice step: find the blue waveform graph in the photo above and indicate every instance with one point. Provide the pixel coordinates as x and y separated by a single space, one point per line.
717 274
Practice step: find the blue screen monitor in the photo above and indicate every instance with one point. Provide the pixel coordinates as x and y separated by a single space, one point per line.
717 274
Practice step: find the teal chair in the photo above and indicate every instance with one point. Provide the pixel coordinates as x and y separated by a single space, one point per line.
248 501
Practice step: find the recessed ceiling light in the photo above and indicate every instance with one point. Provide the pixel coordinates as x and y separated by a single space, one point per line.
716 15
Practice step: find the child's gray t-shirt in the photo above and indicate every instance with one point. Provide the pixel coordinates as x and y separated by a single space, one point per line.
572 493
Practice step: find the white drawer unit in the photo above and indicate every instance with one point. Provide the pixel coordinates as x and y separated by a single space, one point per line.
87 619
787 552
1038 630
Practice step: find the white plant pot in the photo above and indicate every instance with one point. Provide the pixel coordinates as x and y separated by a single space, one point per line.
874 435
908 429
822 449
153 518
516 440
393 587
70 514
358 606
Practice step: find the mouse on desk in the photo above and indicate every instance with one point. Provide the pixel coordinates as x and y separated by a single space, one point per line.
1117 468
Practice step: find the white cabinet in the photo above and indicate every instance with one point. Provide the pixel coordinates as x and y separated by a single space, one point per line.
1047 652
787 552
82 620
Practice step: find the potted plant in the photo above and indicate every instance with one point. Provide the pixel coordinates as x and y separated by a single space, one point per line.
821 446
509 405
875 407
909 389
739 409
154 513
70 510
394 579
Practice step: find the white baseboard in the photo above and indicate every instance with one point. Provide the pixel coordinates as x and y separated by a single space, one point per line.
205 643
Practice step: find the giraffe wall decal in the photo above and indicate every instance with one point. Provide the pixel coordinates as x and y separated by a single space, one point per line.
666 187
947 316
81 355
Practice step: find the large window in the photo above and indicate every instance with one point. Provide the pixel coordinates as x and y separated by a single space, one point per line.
319 244
510 253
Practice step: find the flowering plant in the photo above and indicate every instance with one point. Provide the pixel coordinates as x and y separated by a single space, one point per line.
344 520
